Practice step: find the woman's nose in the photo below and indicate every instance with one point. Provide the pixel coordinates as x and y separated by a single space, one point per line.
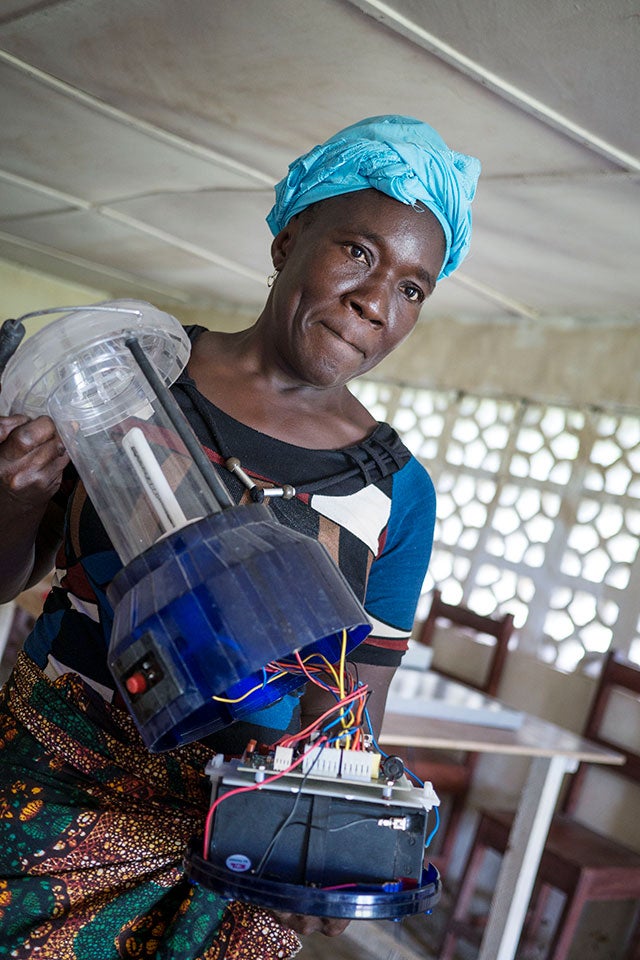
370 301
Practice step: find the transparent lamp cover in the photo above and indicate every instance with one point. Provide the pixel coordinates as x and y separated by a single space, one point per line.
132 461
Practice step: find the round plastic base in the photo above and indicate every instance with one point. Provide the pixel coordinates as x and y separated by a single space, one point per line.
360 902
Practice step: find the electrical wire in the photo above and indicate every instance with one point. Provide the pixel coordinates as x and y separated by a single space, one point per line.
436 827
352 823
287 821
258 686
253 786
293 739
281 668
349 714
315 730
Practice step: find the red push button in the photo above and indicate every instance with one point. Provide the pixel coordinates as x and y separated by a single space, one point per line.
136 683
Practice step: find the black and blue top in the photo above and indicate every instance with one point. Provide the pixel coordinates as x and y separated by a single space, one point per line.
372 505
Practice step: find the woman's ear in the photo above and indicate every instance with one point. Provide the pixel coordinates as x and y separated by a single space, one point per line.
284 242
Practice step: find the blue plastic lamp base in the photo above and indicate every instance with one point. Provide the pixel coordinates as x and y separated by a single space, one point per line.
355 902
203 611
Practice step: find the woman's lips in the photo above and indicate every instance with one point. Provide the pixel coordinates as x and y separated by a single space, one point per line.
343 339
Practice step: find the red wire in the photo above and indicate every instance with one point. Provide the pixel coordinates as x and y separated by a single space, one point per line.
252 786
287 741
310 676
357 693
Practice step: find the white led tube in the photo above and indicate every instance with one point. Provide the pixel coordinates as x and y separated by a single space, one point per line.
156 486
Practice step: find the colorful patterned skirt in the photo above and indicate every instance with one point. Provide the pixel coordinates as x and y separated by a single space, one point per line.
92 833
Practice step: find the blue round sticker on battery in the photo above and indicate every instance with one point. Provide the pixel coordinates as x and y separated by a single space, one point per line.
238 862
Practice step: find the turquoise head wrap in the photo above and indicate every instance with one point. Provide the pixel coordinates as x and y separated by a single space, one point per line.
400 156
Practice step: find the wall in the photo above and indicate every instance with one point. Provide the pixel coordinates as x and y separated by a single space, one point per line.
26 290
555 360
552 360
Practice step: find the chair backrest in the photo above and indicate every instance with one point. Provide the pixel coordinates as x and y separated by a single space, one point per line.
618 674
499 627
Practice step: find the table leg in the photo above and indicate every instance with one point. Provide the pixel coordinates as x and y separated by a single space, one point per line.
520 862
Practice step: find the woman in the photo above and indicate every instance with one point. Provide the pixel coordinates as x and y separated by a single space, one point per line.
94 826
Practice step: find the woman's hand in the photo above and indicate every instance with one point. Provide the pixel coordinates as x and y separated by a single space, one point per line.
32 458
301 923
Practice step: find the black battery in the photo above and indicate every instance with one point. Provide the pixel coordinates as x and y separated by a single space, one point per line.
320 835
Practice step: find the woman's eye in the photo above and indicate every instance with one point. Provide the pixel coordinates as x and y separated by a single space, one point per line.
358 252
414 294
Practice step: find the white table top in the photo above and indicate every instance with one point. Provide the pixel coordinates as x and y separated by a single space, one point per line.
529 736
426 693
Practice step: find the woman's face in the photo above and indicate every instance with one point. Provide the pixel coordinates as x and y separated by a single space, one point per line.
354 273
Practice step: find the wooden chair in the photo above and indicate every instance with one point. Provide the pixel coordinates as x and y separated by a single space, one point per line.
580 862
500 628
452 775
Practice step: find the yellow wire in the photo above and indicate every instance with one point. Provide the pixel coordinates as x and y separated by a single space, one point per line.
259 686
343 657
345 722
244 696
330 666
338 677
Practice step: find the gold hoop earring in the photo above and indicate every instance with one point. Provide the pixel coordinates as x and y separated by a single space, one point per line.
271 279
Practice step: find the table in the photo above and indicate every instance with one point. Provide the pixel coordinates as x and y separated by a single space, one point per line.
553 751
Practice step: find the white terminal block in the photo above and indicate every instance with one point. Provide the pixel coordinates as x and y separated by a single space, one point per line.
322 761
283 758
356 765
429 798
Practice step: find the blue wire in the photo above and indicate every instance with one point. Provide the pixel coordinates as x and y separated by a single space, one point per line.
411 774
338 719
326 686
427 842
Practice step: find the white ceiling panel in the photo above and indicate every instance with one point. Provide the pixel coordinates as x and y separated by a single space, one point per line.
563 246
73 146
78 270
230 224
580 59
278 74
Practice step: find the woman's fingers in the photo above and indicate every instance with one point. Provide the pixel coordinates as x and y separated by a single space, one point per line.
301 923
32 457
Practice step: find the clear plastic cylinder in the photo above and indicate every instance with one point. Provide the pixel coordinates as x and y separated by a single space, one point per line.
134 465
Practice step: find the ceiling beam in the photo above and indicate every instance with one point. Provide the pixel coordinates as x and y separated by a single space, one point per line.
139 226
37 7
490 293
398 23
103 210
381 12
